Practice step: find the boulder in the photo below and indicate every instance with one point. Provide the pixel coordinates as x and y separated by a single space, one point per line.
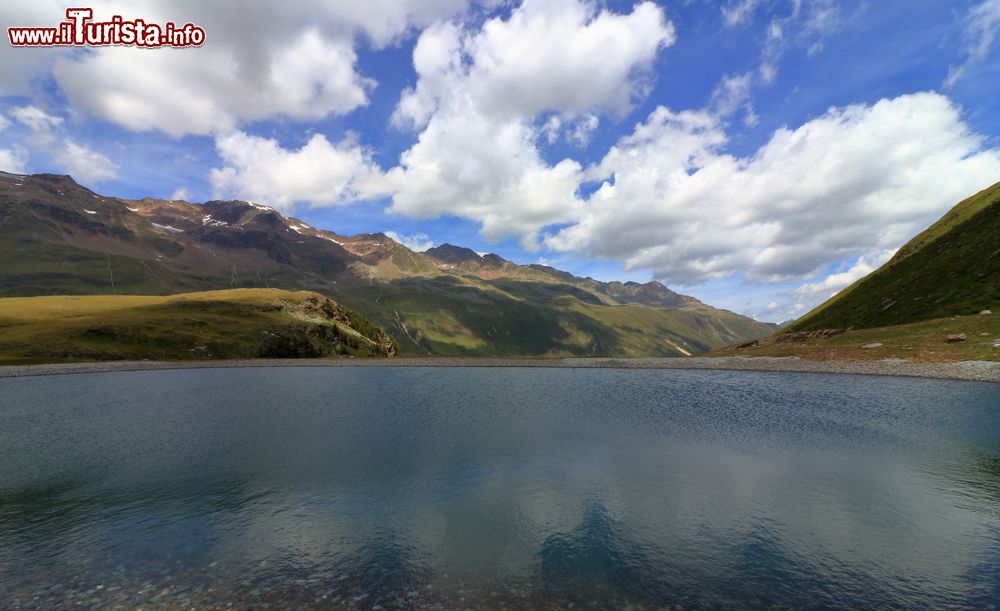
986 312
956 337
871 346
749 344
801 336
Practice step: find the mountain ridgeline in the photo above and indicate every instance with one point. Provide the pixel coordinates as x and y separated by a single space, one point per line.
952 268
59 238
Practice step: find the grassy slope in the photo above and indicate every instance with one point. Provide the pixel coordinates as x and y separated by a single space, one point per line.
450 316
920 341
209 325
951 268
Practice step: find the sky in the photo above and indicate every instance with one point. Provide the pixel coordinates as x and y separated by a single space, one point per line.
757 154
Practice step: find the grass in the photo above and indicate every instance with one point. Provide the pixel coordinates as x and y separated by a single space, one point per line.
229 324
924 341
952 268
464 316
962 212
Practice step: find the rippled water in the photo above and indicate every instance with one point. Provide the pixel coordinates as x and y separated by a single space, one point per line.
497 487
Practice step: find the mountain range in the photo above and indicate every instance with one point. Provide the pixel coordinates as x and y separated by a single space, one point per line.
60 238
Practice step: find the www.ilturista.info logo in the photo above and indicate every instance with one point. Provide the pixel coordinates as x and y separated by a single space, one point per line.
80 30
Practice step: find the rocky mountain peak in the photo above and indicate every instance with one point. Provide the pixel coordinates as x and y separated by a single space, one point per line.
449 253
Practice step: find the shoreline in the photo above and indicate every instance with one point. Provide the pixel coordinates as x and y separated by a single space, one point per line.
971 371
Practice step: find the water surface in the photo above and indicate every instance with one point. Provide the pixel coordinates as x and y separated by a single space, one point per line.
428 487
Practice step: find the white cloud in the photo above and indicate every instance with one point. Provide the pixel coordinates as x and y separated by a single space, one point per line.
79 161
808 26
4 122
731 94
768 72
487 170
799 300
576 129
837 281
437 59
35 119
582 128
417 242
853 182
738 12
84 164
549 55
14 160
181 194
820 17
383 21
293 60
479 94
982 24
318 173
564 55
20 65
552 128
181 92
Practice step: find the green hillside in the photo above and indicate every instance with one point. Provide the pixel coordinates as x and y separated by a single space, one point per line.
924 341
952 268
235 324
468 316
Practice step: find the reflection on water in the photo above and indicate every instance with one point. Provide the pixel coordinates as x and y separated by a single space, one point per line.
597 561
407 488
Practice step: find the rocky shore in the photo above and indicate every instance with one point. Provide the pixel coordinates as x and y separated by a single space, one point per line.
978 371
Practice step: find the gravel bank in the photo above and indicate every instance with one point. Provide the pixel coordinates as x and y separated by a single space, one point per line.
979 371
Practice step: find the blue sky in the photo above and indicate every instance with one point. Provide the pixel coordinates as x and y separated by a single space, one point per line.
758 154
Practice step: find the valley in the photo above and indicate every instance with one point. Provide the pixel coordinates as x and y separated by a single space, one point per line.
63 239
